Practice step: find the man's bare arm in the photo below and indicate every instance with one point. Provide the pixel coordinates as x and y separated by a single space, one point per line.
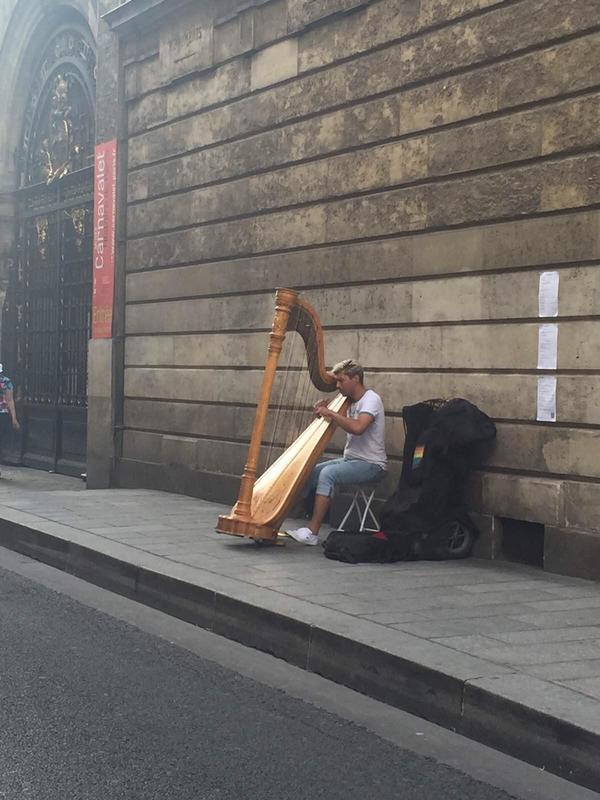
10 402
355 426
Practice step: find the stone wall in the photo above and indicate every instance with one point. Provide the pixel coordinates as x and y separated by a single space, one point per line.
412 167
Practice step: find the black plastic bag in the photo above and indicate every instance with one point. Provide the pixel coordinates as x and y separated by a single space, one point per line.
358 547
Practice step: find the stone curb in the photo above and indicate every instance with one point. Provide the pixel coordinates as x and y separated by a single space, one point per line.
480 708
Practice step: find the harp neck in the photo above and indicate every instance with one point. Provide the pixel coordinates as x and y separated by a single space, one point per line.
303 319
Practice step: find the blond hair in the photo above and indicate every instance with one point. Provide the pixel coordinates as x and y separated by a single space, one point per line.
349 367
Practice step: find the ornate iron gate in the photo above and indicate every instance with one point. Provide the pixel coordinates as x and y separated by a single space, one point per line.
46 319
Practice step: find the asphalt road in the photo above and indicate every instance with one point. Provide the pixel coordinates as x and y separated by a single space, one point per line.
102 699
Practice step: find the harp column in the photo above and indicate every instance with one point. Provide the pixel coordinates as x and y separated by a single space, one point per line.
285 301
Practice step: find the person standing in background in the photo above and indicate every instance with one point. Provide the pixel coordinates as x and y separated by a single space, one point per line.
8 414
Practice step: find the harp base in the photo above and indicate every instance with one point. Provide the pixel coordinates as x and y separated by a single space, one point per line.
234 526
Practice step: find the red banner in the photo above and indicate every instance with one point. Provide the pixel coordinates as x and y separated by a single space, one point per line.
105 187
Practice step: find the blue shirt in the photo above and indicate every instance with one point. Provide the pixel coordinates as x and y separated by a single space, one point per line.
5 386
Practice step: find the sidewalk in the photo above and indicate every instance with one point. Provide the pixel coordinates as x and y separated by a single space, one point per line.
503 653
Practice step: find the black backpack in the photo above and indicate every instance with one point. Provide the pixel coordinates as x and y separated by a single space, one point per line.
441 447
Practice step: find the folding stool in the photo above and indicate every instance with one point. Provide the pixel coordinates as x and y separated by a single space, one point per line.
362 498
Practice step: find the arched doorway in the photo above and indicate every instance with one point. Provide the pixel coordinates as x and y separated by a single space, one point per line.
46 318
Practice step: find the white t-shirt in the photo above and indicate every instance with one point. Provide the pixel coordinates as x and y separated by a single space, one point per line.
370 445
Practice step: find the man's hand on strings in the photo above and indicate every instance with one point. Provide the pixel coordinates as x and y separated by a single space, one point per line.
318 407
326 413
321 410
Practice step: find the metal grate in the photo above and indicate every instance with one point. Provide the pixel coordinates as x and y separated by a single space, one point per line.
47 309
49 303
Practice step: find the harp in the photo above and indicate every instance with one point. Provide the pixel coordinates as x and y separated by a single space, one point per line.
263 503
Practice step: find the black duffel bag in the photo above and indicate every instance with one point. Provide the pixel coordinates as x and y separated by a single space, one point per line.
358 547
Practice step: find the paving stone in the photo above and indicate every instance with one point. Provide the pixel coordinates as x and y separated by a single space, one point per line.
559 619
593 601
567 592
486 625
348 605
167 548
129 531
528 636
300 588
589 686
457 598
390 618
274 583
538 653
563 588
566 670
518 610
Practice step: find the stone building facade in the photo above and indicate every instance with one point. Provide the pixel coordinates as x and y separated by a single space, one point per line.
414 167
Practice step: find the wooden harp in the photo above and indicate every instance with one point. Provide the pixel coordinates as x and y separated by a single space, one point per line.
263 503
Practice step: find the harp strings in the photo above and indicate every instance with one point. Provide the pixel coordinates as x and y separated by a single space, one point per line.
305 388
300 410
276 410
292 411
292 401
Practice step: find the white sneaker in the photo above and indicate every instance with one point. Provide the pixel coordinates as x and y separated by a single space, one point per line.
304 536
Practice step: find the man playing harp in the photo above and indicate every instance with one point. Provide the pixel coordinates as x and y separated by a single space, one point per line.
364 459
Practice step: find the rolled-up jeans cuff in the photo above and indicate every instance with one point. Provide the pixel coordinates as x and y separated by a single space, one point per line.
345 471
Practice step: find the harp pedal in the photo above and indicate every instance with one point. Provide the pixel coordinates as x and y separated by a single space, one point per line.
279 541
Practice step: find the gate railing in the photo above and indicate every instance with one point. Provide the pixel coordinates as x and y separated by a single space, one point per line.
47 312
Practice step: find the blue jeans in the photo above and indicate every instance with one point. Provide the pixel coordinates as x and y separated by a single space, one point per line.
329 474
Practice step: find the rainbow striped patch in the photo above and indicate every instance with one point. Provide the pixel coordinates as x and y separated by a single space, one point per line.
418 455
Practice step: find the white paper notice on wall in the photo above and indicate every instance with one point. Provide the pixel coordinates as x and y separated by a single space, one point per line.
546 399
548 346
548 294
